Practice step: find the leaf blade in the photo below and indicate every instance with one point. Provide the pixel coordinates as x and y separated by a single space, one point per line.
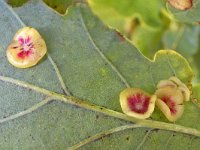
54 127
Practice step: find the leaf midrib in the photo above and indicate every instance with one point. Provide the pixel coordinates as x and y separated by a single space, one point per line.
90 106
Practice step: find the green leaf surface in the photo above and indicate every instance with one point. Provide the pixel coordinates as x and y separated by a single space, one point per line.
190 15
70 99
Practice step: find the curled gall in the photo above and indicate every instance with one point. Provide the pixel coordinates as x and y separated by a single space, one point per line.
137 103
26 49
171 95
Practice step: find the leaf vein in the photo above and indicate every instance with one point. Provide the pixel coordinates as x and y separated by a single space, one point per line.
144 139
13 12
101 135
102 54
170 65
66 91
25 112
168 140
151 76
103 110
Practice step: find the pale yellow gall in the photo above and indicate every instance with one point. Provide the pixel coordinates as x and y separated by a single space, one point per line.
137 103
171 95
26 49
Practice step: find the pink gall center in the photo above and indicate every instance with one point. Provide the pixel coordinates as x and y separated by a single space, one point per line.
138 103
26 47
170 103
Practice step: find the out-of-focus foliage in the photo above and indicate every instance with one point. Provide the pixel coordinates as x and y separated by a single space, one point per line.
143 24
189 15
16 3
59 5
134 20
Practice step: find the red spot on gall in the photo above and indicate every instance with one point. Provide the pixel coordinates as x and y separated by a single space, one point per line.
138 103
27 47
170 103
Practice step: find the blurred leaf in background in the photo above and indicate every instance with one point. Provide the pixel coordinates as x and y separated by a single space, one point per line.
16 3
150 26
183 38
189 15
59 5
141 23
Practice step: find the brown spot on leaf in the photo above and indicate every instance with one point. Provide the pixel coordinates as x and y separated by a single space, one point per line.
127 138
156 130
55 6
97 116
181 4
121 37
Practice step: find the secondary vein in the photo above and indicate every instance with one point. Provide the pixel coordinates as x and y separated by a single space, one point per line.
102 54
13 12
170 65
144 139
58 75
101 135
25 112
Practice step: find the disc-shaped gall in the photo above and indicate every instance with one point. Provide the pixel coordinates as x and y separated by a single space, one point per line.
137 103
26 49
